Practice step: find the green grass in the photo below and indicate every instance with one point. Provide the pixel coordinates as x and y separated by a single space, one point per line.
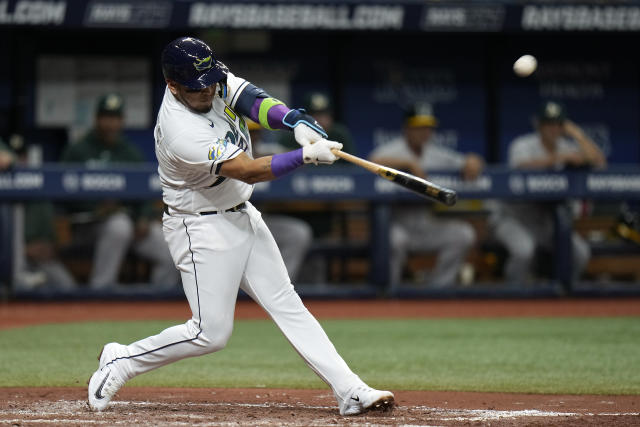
560 355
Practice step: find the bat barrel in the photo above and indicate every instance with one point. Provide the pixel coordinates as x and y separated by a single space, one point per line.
417 185
425 188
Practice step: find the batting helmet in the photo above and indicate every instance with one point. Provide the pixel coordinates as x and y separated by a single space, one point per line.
190 62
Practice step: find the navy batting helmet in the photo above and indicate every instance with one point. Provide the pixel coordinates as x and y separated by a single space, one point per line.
190 62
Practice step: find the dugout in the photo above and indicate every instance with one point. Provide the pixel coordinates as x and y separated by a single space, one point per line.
370 57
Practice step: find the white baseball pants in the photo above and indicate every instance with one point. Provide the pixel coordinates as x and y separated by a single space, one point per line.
217 254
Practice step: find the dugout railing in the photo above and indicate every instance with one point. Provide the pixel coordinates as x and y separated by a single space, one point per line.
56 182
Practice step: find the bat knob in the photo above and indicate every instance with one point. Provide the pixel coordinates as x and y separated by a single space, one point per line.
449 198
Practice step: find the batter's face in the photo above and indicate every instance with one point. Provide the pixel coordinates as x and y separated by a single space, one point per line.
197 100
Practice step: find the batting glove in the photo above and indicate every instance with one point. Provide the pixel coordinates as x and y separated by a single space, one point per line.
305 128
320 152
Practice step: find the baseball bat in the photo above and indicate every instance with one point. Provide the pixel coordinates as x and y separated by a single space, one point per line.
419 186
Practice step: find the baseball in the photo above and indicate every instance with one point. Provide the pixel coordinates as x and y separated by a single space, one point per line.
525 65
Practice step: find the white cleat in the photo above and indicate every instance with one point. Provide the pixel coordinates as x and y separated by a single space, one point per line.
105 382
362 399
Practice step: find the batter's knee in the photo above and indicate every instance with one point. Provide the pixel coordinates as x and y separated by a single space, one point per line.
213 338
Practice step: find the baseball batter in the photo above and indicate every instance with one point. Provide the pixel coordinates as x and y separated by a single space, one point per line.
217 239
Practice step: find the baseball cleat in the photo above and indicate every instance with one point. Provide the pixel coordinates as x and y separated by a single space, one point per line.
105 382
362 399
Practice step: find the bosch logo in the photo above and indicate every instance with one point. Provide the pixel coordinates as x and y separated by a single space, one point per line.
300 185
70 182
517 184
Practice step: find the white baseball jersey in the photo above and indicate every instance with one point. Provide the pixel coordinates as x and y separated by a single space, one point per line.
433 157
529 147
191 148
219 254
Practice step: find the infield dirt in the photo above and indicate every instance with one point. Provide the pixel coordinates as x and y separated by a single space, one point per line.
222 407
266 407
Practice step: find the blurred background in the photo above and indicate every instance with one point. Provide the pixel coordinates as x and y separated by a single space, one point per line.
369 64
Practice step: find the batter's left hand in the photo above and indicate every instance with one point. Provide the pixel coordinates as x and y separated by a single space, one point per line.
305 135
305 128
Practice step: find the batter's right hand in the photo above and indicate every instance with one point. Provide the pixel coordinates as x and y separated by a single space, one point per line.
320 152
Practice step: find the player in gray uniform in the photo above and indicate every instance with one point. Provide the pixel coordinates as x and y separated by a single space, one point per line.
557 143
217 239
416 228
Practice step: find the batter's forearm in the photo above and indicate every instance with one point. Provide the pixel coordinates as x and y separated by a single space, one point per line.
269 112
247 170
267 168
259 106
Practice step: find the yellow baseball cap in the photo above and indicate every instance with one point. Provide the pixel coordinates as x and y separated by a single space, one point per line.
420 115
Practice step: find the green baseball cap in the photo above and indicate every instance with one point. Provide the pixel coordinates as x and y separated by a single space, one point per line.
552 111
110 104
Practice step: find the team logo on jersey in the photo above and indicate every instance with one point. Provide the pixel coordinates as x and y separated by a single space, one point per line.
203 64
217 149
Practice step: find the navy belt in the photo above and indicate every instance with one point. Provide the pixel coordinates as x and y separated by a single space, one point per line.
236 208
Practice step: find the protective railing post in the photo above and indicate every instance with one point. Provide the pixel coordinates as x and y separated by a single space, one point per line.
380 246
564 257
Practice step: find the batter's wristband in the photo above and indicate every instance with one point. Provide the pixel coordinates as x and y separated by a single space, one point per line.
284 163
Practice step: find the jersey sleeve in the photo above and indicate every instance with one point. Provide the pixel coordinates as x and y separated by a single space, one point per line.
236 86
253 102
206 153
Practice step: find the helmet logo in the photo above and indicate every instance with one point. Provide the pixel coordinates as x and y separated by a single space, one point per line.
203 64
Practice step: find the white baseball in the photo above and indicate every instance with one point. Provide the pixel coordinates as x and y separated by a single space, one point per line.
525 65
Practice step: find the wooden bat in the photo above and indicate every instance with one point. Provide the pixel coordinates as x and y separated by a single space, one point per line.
419 186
